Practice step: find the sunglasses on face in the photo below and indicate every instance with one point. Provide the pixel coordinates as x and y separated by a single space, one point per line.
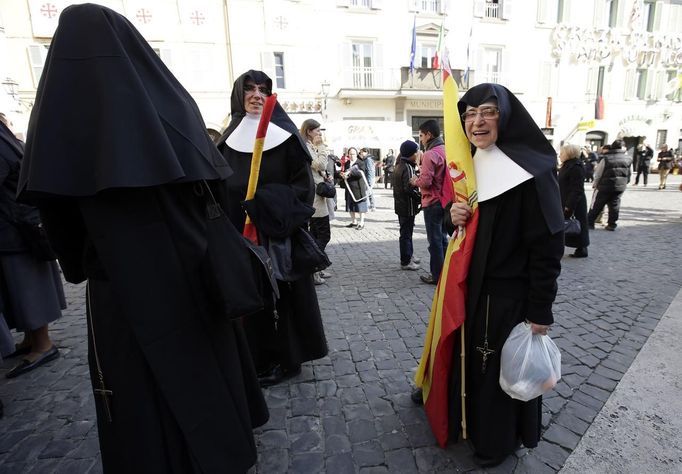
253 88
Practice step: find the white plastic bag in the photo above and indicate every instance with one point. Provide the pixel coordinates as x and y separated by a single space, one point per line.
530 365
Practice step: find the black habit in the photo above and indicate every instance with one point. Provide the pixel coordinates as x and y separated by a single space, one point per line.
116 172
571 184
298 335
512 277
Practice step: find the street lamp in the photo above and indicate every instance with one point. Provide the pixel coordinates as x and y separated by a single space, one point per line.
325 93
10 86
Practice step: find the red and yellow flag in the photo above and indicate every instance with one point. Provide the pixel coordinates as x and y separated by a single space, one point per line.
249 228
448 309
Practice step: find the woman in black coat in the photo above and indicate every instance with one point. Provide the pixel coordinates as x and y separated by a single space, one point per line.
573 200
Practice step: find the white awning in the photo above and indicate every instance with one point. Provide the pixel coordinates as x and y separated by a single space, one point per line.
634 128
366 133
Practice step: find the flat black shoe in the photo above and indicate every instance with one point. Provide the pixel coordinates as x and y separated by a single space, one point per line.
417 396
26 365
579 253
352 225
19 351
277 375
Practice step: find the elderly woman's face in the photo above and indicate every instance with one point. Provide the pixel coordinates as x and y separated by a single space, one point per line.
480 124
254 97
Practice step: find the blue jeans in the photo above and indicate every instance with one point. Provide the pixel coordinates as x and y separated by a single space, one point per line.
405 240
436 236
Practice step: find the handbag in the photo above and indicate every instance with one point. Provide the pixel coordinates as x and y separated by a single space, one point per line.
35 238
238 273
307 257
325 189
572 226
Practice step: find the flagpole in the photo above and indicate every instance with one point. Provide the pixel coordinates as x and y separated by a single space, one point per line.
249 229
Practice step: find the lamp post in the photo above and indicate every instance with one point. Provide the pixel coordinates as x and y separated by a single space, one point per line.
325 93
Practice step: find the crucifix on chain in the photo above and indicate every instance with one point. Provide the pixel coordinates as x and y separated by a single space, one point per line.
486 351
103 392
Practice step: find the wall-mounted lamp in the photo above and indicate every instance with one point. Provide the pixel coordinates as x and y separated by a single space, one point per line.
325 93
10 86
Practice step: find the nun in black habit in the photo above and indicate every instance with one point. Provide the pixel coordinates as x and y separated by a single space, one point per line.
283 339
514 267
116 157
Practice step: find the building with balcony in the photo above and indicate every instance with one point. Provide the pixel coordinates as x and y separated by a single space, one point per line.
587 70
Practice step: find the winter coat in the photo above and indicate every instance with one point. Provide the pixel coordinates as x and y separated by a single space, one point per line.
406 198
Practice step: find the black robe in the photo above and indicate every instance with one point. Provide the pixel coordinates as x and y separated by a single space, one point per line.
299 336
512 277
185 394
571 183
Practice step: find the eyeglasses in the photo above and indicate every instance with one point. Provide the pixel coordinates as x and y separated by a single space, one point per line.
486 113
253 88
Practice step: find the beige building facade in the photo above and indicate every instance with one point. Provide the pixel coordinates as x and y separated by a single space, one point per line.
346 63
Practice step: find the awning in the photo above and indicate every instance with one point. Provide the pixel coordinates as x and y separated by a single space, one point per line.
634 128
366 133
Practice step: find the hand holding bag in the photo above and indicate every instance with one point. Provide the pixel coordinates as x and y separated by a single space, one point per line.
530 364
572 226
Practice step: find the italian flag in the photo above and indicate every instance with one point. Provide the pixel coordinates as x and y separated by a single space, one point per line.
448 309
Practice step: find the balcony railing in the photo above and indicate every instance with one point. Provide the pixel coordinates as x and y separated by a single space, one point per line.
370 78
432 6
427 79
492 10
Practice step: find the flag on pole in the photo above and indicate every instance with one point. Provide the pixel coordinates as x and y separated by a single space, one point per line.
249 228
448 309
437 62
413 49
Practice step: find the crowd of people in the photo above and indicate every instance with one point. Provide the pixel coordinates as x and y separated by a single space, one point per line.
137 217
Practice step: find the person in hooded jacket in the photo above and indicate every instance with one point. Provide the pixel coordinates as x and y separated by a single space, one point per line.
406 198
514 267
119 163
283 337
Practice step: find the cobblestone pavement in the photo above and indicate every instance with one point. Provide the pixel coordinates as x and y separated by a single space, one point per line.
351 411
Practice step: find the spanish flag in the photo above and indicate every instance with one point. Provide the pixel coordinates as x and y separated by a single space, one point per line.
250 229
448 309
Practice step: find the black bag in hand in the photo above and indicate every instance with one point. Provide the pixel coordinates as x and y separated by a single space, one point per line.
325 189
572 227
35 238
239 273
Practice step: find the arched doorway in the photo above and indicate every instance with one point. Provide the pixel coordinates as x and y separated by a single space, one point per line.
596 139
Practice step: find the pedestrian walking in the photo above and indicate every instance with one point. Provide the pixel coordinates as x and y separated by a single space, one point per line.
665 164
367 165
611 177
357 189
644 154
119 162
573 200
389 168
407 200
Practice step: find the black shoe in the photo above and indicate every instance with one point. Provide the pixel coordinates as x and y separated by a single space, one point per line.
417 396
352 225
428 279
277 375
26 366
579 253
590 226
485 461
610 227
19 351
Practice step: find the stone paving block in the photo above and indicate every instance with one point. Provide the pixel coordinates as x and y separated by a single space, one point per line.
304 406
420 435
565 438
374 470
581 411
337 443
306 443
11 439
596 392
88 448
28 448
38 466
576 425
273 461
602 382
330 407
530 464
57 448
340 463
277 420
307 463
302 424
273 439
367 454
588 400
357 412
550 454
71 466
430 459
334 425
401 461
326 388
394 440
361 430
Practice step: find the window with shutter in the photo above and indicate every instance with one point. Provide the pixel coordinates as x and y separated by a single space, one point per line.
630 84
642 83
598 14
37 53
279 70
267 61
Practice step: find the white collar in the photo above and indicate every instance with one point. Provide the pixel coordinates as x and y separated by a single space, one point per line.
496 173
244 136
